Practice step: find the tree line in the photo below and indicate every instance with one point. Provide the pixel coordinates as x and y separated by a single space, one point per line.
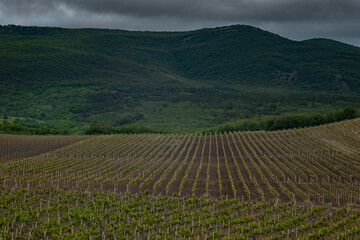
271 123
11 128
283 122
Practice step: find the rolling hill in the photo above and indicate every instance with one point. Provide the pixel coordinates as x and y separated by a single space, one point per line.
70 78
318 164
291 184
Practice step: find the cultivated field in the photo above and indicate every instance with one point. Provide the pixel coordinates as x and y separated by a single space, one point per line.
16 147
52 214
285 184
320 164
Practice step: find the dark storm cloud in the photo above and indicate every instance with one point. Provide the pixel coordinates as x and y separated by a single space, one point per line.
297 19
259 10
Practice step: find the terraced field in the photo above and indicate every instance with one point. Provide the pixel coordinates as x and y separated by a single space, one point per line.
300 170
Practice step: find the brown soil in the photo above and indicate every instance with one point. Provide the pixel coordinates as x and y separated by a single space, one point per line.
297 155
338 145
16 147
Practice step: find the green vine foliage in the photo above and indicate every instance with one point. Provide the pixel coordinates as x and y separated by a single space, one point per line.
42 213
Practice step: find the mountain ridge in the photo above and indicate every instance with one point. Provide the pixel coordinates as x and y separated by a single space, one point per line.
74 77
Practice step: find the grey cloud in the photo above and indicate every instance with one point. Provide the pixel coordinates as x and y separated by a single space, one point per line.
229 10
21 7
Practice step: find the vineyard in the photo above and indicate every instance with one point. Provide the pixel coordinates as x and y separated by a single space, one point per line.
299 183
42 214
16 147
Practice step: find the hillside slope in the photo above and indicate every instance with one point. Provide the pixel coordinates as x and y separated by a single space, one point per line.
292 184
318 164
16 147
180 80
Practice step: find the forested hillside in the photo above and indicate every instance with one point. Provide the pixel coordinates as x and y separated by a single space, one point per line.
183 81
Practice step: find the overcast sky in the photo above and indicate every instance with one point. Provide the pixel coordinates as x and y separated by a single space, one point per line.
294 19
